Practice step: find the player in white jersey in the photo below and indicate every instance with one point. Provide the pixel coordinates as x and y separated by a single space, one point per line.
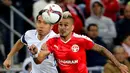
35 37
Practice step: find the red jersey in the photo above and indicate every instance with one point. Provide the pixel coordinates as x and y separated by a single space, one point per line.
71 55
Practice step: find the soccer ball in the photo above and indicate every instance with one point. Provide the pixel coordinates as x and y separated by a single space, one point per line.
52 13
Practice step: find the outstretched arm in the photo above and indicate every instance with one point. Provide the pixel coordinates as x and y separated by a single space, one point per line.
108 54
18 45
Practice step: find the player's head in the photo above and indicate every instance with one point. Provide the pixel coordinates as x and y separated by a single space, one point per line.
65 26
42 27
119 53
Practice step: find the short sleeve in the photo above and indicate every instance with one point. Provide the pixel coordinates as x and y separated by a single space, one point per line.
23 39
88 43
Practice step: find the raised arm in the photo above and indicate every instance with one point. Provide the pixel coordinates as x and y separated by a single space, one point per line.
18 45
108 54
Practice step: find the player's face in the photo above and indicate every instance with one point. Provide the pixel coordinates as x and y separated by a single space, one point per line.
65 27
42 27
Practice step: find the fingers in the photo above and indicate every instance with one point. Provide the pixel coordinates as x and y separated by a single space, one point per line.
124 69
7 65
33 49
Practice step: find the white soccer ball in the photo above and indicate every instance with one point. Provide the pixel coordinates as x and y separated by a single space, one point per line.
52 13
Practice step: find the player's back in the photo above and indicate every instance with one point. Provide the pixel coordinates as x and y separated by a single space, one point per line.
70 55
48 65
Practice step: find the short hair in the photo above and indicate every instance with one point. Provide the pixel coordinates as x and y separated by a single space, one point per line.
124 37
117 47
92 24
67 14
96 2
40 13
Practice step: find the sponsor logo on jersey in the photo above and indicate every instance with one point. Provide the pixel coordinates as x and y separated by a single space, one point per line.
66 62
56 47
75 48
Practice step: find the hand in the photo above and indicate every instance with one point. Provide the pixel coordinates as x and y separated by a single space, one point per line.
7 2
123 68
7 63
33 49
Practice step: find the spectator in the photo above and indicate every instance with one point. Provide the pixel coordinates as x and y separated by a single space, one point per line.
119 53
126 44
111 8
123 25
106 26
94 58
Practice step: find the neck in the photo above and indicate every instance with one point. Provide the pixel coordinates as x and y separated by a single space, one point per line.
66 38
98 15
40 37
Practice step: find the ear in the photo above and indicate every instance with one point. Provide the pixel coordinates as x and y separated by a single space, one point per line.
72 27
51 26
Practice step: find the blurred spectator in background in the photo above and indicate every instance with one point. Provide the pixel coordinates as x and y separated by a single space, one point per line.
27 66
39 5
120 55
106 26
94 58
123 25
123 3
126 44
111 9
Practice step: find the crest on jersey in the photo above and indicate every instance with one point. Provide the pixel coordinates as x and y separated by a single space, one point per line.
75 48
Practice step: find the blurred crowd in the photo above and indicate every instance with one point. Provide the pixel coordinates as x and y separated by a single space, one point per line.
106 22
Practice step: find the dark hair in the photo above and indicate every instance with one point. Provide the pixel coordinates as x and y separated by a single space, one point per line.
40 13
124 37
97 3
92 24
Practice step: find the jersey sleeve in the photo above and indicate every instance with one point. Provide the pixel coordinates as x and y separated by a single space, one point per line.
49 45
88 43
24 38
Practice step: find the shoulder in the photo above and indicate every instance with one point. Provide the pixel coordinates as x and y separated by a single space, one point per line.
81 37
106 18
30 32
55 37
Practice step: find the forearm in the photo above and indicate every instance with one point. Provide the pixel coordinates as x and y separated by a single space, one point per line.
41 56
18 45
107 53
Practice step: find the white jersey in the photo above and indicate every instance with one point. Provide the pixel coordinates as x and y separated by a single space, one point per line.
48 65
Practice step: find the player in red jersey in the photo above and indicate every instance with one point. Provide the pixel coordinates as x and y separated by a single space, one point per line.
69 49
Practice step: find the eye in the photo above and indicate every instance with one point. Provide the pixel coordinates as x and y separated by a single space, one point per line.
65 25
